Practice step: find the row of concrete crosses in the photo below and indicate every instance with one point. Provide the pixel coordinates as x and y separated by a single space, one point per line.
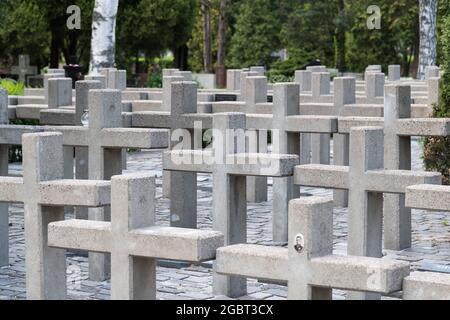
256 119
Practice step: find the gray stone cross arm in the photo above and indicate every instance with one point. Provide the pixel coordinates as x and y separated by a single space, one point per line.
377 180
295 123
311 124
165 120
12 134
152 242
82 137
80 193
243 164
429 197
133 240
427 285
113 137
308 265
401 127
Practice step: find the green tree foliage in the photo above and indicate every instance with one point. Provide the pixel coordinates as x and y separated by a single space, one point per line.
195 44
38 28
336 33
23 30
395 43
310 31
257 34
437 149
152 26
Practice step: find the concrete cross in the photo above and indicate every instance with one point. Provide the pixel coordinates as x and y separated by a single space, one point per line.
60 101
253 101
260 70
115 79
105 139
345 104
24 69
304 79
287 127
57 95
72 117
7 138
133 239
98 77
252 98
367 181
51 74
230 167
399 127
375 87
427 285
234 79
394 73
308 265
244 84
45 193
55 115
319 146
4 156
183 116
161 101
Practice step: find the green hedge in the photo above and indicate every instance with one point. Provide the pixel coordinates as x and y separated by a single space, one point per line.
437 149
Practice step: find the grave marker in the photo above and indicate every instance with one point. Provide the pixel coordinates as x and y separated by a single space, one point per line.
45 194
133 239
399 127
428 285
308 265
366 181
230 168
24 69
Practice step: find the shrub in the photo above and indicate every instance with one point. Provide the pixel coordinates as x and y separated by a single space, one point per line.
437 149
155 80
155 77
14 88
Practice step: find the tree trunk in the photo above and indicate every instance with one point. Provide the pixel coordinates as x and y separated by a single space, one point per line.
207 51
73 46
103 43
416 49
221 76
57 36
340 39
428 36
181 57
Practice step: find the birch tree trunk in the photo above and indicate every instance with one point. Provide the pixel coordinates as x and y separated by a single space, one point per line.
428 36
103 42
